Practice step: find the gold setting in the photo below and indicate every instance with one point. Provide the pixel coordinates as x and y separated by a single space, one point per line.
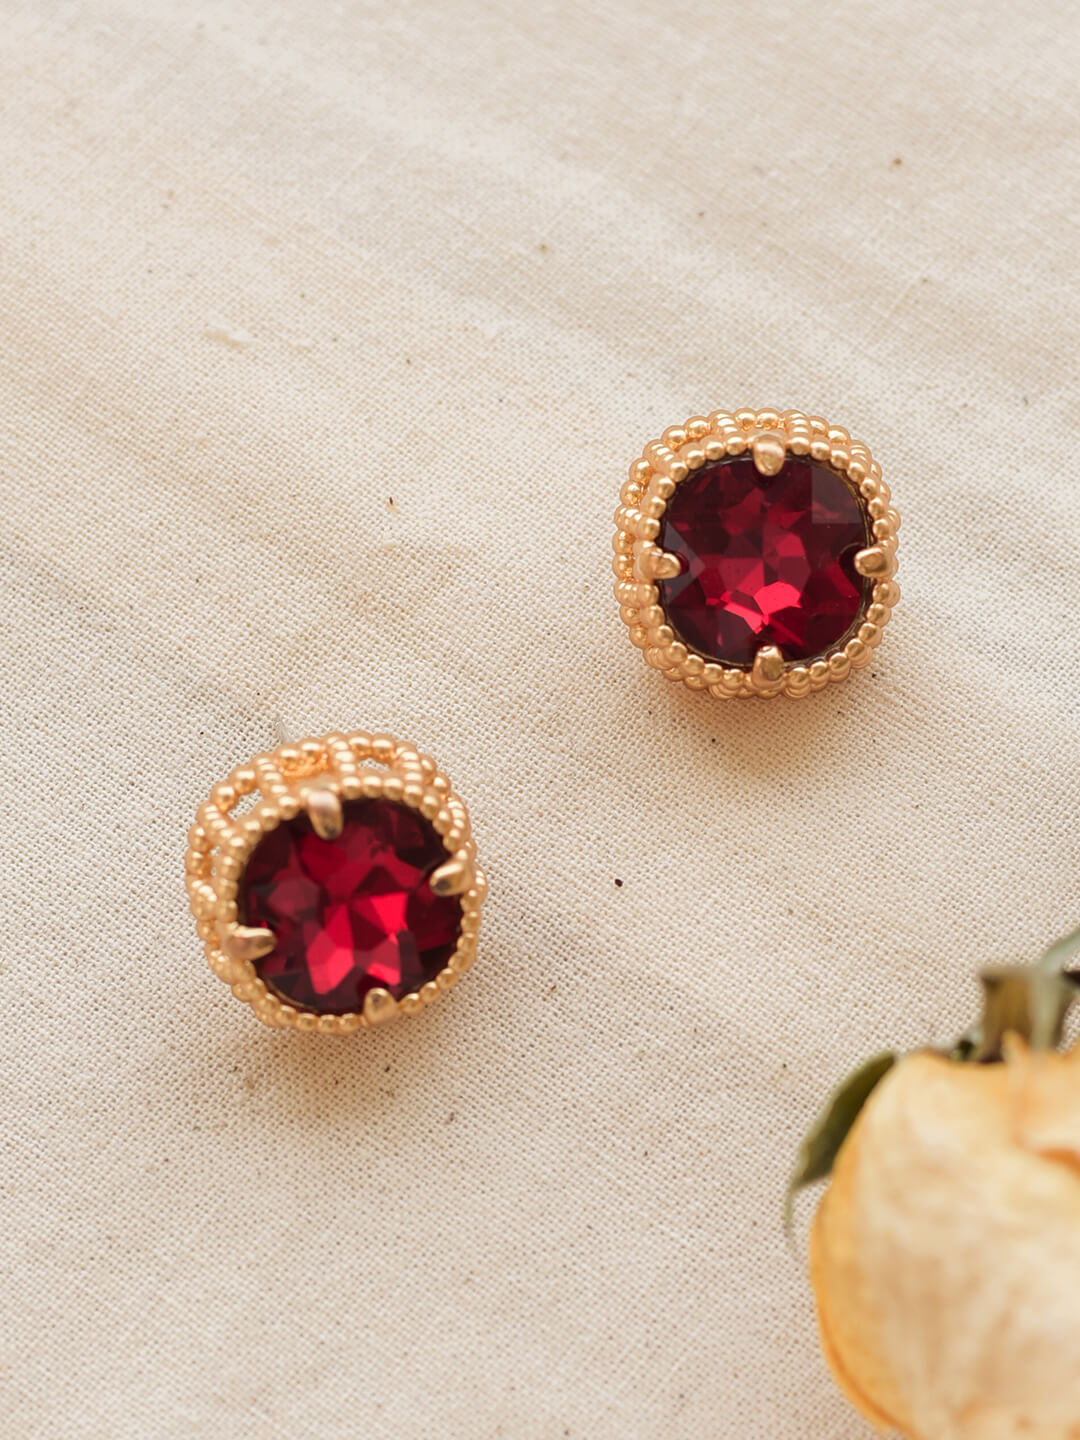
770 436
317 775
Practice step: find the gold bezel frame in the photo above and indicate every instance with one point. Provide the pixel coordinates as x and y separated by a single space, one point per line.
317 775
770 436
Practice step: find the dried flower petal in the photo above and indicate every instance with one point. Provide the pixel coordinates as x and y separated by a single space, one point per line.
945 1255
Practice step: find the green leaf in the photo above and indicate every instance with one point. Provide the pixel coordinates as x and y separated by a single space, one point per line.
830 1129
1031 1001
1058 956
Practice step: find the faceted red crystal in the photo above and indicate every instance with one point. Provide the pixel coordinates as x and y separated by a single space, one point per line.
767 560
352 913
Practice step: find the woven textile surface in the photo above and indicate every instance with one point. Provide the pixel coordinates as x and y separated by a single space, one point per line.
329 333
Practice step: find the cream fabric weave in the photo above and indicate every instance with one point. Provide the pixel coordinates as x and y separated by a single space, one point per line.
329 333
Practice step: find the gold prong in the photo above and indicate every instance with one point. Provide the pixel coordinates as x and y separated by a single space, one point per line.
768 669
453 878
769 452
876 563
379 1006
324 809
246 942
656 564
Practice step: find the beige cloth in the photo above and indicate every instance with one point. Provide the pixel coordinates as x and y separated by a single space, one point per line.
329 333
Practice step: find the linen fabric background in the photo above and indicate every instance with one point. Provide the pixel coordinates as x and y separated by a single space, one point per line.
329 332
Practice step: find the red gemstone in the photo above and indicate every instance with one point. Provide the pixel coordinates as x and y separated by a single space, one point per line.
352 913
767 560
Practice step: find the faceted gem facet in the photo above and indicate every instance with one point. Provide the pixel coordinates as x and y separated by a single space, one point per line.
352 913
767 560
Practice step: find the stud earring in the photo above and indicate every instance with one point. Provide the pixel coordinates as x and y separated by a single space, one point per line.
755 553
347 894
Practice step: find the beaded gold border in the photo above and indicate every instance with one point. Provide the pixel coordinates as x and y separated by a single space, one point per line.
316 775
770 435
